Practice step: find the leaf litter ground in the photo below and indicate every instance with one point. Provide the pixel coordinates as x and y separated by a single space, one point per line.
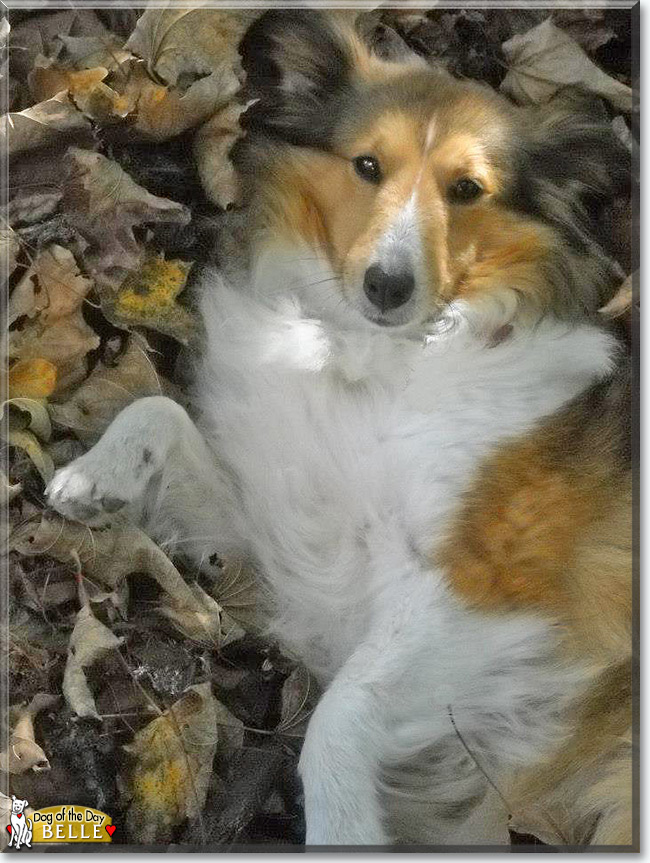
139 685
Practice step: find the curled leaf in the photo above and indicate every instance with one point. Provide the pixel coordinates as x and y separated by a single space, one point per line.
23 752
29 443
89 641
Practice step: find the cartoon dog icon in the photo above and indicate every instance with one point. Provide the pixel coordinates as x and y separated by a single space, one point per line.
21 826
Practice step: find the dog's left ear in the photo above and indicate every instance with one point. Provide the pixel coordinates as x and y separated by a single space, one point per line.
299 65
572 167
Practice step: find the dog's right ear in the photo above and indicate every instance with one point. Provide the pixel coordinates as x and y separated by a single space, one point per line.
299 66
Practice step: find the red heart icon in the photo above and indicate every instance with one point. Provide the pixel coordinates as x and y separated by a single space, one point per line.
110 829
9 829
20 815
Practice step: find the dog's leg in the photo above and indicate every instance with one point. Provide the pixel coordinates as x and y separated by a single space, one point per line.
351 731
151 465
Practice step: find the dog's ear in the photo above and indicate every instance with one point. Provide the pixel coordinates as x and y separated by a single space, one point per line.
299 66
572 167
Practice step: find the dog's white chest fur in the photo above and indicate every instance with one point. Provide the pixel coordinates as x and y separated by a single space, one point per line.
351 448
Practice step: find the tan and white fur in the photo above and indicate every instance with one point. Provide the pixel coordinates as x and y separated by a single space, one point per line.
434 493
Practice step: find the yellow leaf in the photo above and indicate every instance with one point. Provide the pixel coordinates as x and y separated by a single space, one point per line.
47 82
26 441
147 297
35 379
173 764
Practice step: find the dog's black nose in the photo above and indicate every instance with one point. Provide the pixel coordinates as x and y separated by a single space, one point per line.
388 290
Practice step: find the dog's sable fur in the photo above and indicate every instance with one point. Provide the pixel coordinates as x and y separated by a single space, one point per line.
434 484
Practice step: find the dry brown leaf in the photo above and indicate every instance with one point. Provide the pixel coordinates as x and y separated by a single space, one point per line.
90 640
238 592
212 625
26 441
104 204
8 490
546 59
23 752
51 294
173 764
45 124
86 89
9 249
180 45
34 379
88 52
298 700
45 81
147 297
41 34
212 145
106 555
94 404
161 112
27 413
27 208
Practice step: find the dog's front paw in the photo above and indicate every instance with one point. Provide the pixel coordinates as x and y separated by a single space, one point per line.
94 491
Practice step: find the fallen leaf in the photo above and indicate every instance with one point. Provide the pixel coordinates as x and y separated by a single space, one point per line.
173 758
546 59
34 379
298 703
238 591
27 413
50 295
23 752
46 81
43 125
8 490
30 444
106 555
212 145
42 34
212 625
88 52
181 45
90 640
9 249
27 209
98 195
161 112
147 297
97 401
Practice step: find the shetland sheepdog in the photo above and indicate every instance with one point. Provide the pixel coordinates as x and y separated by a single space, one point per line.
409 416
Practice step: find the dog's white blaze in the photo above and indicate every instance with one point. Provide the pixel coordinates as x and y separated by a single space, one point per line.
400 247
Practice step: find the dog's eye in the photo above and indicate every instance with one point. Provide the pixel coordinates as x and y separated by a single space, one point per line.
465 190
367 167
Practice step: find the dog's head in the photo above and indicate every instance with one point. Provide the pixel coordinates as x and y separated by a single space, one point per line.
17 806
425 193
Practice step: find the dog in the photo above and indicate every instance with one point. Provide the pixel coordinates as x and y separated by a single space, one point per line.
409 416
21 826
